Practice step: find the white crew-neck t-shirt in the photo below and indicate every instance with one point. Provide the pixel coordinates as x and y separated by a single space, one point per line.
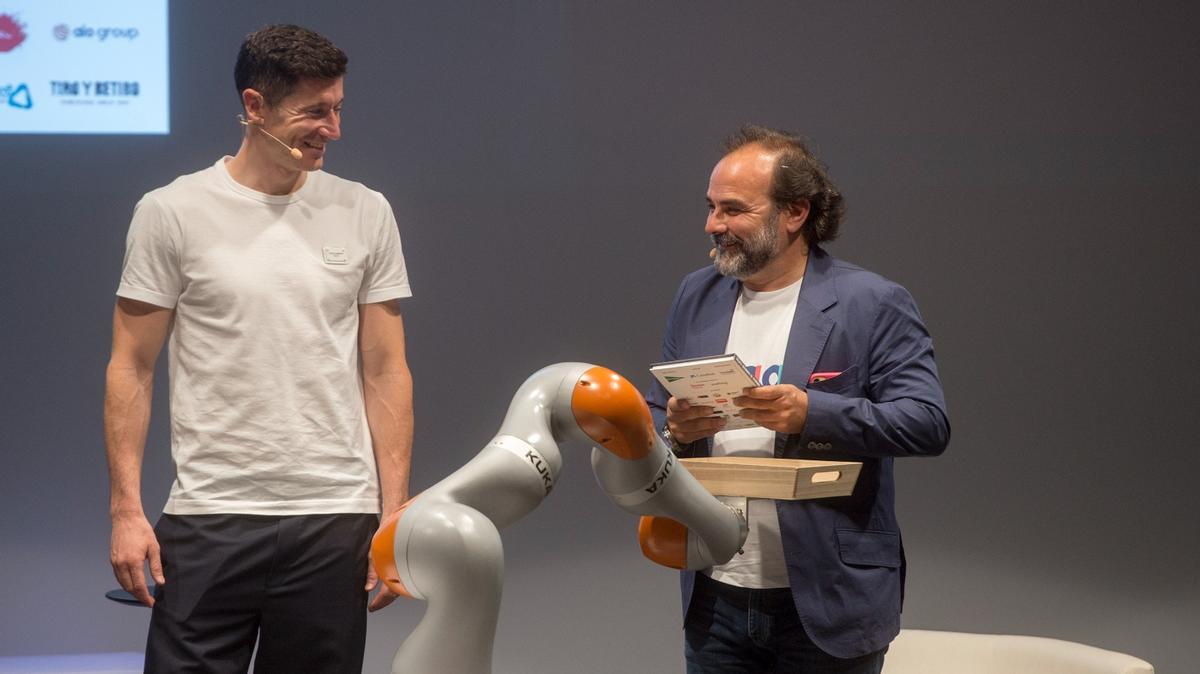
758 334
267 412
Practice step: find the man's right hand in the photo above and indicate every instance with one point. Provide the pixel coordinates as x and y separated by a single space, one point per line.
133 544
689 423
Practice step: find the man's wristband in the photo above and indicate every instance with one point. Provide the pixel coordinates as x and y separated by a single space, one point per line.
670 440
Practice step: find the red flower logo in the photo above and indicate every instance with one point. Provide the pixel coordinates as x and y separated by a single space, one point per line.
11 33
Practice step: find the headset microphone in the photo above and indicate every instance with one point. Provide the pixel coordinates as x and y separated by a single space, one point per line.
712 254
295 152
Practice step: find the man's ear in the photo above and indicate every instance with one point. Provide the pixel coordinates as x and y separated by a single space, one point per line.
254 103
795 215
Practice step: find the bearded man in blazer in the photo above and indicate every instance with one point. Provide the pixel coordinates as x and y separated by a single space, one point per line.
847 373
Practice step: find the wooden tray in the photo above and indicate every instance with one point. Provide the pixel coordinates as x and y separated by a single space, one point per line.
787 479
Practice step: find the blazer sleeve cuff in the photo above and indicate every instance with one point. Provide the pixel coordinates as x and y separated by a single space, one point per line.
822 431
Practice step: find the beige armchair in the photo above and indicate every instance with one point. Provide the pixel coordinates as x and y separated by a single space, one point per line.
932 652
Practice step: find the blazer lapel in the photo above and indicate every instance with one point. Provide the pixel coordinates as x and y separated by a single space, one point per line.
715 318
810 326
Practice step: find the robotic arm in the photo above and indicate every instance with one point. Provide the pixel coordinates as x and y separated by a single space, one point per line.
444 546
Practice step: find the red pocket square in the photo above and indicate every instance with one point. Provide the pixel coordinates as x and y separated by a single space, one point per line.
822 376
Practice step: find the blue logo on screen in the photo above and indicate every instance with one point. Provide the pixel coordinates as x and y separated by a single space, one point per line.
16 96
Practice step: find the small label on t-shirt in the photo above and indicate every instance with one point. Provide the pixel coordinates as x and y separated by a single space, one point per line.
335 254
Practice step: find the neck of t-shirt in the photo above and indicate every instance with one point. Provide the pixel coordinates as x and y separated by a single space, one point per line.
223 166
768 294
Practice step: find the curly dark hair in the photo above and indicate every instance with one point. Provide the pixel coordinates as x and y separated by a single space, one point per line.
799 175
274 59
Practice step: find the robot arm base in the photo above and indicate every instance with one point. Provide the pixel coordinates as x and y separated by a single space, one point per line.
456 560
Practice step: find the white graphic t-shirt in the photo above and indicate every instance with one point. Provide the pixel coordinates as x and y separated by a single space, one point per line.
759 333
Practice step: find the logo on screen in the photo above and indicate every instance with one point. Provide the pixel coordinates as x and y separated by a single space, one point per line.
62 31
12 33
90 92
16 96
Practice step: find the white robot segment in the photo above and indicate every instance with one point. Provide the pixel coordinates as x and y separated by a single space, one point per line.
444 545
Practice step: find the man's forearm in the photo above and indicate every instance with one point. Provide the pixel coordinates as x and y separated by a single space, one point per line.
388 398
127 400
903 427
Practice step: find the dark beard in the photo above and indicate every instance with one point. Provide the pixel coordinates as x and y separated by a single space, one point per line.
750 255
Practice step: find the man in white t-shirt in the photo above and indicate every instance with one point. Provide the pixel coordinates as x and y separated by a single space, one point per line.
846 371
291 398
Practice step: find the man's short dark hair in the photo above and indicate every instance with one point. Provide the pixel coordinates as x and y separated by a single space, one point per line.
799 175
273 60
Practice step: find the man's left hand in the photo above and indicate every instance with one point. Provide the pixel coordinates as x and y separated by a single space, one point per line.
782 408
385 595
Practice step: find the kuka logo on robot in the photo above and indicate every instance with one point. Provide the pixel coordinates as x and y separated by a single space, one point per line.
662 475
541 468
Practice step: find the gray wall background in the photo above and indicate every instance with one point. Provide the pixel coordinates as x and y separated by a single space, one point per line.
1023 168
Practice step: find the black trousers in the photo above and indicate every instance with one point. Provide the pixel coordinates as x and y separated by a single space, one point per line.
293 584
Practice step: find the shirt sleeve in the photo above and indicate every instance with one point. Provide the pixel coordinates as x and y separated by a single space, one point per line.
386 277
152 271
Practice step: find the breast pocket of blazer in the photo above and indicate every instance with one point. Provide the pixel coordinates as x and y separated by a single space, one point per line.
845 383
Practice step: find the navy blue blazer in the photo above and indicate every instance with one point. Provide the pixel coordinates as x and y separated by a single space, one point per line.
844 556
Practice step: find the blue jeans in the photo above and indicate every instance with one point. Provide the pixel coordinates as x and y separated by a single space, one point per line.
732 630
